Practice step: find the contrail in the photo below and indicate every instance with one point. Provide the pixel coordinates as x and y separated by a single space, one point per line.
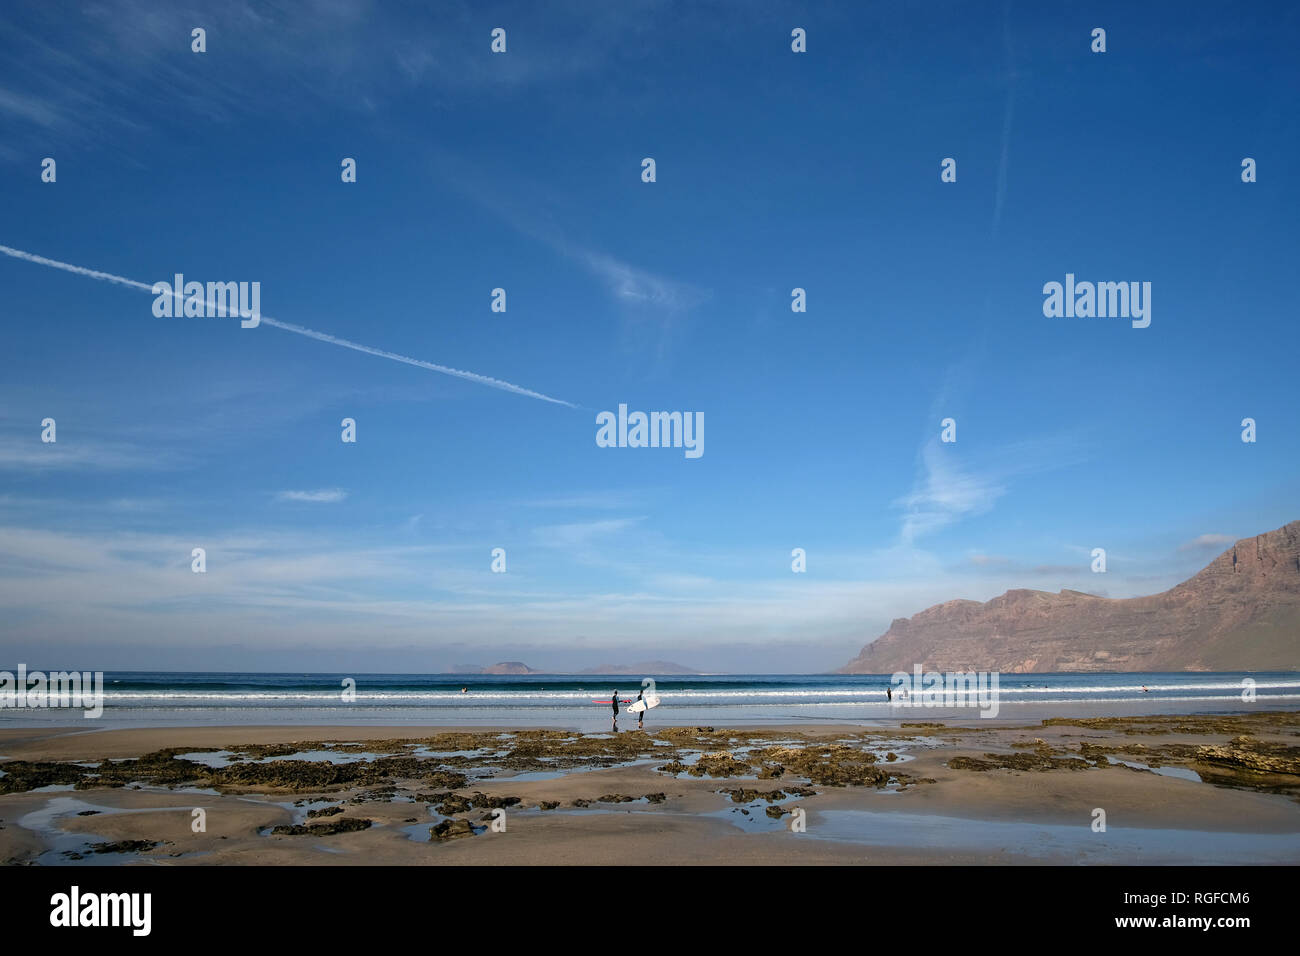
298 330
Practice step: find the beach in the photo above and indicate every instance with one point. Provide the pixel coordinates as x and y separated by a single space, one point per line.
1207 789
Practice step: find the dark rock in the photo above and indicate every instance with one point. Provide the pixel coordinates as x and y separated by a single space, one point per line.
344 825
451 830
125 846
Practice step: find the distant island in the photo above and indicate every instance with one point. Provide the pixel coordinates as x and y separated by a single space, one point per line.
504 667
1241 612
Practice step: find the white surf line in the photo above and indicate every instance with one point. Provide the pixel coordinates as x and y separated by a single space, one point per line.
297 329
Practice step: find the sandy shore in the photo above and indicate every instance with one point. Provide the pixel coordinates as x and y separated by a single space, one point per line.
1196 789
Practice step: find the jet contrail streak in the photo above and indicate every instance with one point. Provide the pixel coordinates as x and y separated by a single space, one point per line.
298 330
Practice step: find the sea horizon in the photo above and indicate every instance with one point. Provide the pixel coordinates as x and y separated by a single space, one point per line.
180 698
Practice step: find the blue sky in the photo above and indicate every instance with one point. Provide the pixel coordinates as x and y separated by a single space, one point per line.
521 170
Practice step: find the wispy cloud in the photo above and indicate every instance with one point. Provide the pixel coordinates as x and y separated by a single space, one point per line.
72 455
1207 542
580 534
636 286
89 75
639 289
944 493
949 487
596 500
322 496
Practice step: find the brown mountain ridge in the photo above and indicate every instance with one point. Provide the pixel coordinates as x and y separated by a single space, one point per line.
1241 612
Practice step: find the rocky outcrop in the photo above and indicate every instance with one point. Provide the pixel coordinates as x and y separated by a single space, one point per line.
509 667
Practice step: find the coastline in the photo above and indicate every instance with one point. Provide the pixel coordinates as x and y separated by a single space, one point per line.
1200 789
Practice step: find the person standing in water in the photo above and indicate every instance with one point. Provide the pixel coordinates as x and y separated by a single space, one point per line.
615 703
640 714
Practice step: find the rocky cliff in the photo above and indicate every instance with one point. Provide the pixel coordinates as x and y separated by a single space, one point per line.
1241 612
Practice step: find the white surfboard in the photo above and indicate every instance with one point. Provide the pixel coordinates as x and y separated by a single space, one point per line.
644 704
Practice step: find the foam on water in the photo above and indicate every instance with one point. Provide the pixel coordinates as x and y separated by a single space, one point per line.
157 699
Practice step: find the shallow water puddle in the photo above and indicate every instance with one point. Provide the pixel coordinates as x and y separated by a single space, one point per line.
1077 841
219 759
44 822
1179 773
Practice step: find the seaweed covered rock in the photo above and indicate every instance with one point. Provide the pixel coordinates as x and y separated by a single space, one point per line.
720 764
451 830
1021 761
23 775
481 801
830 765
124 846
345 825
1246 754
454 803
745 795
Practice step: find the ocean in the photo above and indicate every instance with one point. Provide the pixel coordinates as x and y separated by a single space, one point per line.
139 699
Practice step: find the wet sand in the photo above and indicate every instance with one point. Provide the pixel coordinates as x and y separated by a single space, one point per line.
1199 789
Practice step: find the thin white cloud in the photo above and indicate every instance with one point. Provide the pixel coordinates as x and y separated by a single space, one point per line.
324 495
579 534
1207 542
299 330
636 286
944 494
947 491
72 455
629 284
597 500
31 108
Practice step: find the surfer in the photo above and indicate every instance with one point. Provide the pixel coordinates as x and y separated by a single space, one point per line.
615 703
640 714
889 694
